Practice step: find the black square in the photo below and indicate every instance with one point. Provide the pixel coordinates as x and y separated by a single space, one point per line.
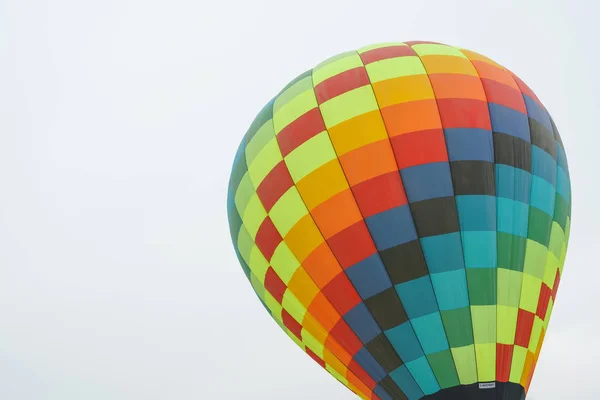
435 216
392 388
404 262
542 137
386 309
473 177
384 353
513 151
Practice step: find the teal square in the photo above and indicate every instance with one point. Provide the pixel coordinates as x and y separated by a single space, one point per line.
430 331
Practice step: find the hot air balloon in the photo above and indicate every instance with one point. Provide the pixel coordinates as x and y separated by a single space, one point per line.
403 212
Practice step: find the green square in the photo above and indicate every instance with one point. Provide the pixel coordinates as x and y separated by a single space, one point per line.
264 162
259 141
484 324
443 368
244 244
394 68
310 155
244 192
433 49
482 286
511 251
557 239
535 258
561 210
509 287
539 226
457 324
288 210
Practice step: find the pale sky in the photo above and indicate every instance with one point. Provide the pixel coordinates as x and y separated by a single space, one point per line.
119 120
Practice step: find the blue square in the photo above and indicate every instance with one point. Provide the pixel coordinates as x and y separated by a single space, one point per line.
381 393
430 331
451 289
561 157
369 276
509 121
369 364
427 181
421 370
405 342
542 195
543 165
405 381
417 297
513 183
476 212
360 320
469 144
563 184
392 227
443 252
513 217
480 249
535 111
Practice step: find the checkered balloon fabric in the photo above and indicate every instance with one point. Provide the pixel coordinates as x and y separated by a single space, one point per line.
402 212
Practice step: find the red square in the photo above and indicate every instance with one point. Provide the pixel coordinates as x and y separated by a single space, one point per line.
352 245
274 285
275 184
315 357
499 93
543 301
342 333
361 374
341 83
292 324
526 90
418 148
504 354
299 131
380 194
524 326
464 113
267 238
555 286
341 294
383 53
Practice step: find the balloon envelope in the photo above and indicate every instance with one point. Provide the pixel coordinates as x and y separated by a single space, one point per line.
403 211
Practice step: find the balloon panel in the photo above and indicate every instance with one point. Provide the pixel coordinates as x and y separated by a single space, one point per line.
403 211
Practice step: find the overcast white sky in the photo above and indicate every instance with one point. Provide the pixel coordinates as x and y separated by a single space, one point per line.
119 120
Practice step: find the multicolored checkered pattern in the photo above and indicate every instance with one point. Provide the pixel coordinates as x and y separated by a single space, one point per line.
403 213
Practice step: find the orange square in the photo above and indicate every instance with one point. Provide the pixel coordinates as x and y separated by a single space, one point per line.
368 162
323 312
412 117
321 265
402 90
473 56
304 237
336 214
337 361
322 184
314 328
457 86
527 368
448 65
487 71
337 350
303 287
359 386
357 132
